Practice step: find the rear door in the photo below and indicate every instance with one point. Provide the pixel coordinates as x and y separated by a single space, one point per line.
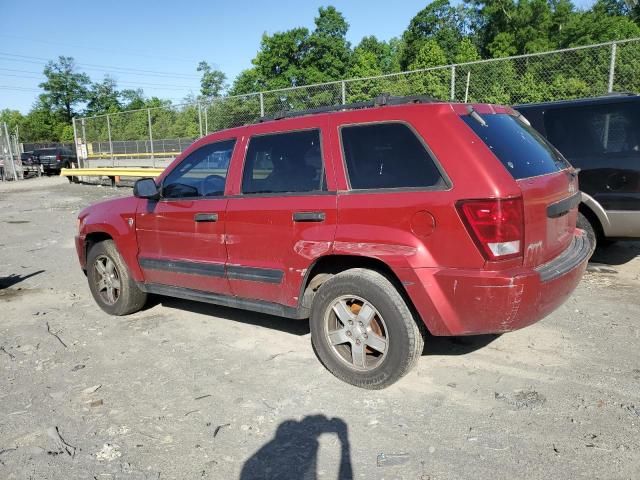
284 215
181 236
548 183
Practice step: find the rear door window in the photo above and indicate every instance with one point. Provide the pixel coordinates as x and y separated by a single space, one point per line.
519 147
595 129
387 155
284 163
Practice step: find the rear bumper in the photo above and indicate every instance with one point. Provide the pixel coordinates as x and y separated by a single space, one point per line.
469 302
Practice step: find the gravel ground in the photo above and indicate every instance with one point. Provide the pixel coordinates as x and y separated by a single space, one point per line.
185 391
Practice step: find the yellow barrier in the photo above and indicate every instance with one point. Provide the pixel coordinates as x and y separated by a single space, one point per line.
111 172
158 155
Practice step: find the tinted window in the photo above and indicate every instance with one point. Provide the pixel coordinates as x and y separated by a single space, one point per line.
285 162
523 151
202 174
387 155
595 130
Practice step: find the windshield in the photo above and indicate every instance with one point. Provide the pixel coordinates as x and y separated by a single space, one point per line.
520 148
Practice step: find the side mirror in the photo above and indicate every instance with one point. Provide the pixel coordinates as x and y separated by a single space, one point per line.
146 188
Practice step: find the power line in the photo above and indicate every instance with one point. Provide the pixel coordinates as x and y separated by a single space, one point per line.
127 53
150 85
23 58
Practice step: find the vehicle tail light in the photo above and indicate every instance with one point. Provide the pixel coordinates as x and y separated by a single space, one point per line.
58 158
496 225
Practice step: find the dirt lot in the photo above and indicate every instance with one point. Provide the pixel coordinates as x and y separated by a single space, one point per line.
191 391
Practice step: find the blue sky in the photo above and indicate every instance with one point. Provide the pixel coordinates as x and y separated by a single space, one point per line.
157 45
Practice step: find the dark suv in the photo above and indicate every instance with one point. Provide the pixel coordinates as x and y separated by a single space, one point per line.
53 159
376 221
600 137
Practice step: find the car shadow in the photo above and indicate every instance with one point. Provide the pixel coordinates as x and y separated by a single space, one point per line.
13 279
287 325
617 253
456 345
293 452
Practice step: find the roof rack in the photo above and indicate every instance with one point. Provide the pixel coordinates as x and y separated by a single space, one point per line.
380 101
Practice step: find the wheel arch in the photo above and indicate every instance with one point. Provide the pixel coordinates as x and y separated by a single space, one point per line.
596 215
325 267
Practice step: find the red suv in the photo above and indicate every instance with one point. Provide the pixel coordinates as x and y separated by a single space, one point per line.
376 221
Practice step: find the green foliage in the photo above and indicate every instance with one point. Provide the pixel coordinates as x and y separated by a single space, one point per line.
442 33
213 81
64 88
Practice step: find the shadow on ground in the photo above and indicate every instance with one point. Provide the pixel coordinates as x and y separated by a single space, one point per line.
11 280
456 345
287 325
617 253
293 452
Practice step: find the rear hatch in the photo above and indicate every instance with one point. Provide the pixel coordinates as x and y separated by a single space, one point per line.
548 183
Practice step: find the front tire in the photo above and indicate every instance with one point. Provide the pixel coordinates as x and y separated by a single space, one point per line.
362 330
110 282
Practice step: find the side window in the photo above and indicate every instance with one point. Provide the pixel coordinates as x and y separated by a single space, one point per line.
387 155
595 130
202 174
284 162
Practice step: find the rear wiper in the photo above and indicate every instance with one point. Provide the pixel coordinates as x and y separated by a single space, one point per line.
476 116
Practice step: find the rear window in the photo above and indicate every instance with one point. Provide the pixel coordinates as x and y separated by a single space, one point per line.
387 155
520 148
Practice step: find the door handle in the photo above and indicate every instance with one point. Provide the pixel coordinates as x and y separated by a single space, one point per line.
206 217
309 216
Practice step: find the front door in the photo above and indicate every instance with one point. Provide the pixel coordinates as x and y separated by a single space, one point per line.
283 218
181 236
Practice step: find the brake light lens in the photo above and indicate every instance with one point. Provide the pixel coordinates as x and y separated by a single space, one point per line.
58 158
496 225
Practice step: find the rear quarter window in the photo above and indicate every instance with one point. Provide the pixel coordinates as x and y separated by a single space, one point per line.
519 147
387 155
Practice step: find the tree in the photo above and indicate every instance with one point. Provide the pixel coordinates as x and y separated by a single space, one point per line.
385 53
64 88
213 81
440 22
103 97
327 53
432 82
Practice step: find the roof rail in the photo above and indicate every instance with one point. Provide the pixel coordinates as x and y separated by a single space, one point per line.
379 101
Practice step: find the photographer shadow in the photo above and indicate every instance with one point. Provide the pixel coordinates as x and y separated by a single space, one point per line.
293 452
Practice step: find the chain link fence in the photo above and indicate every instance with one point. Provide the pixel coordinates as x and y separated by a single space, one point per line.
155 136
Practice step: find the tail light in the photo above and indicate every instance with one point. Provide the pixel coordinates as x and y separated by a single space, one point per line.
496 225
58 158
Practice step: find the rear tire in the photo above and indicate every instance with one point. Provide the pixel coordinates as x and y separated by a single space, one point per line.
110 282
362 330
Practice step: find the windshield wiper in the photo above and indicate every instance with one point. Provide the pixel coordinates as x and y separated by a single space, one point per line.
476 116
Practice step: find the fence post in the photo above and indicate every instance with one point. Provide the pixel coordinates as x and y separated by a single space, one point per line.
113 162
206 121
612 67
153 159
343 87
13 165
75 142
452 97
200 118
466 88
261 104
